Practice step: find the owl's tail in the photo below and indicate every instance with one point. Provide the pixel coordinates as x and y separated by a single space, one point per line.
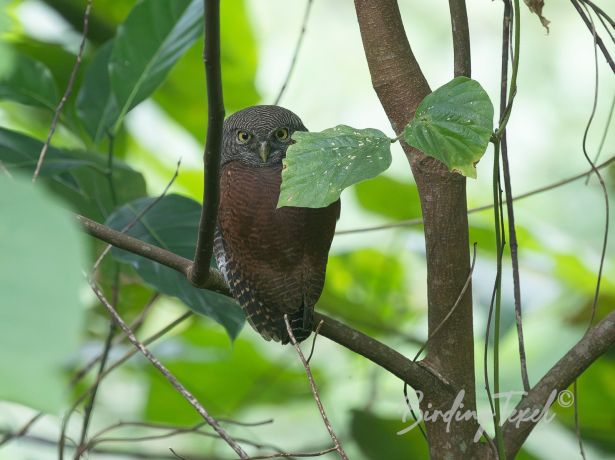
270 323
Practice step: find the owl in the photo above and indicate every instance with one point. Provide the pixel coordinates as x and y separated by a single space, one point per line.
274 260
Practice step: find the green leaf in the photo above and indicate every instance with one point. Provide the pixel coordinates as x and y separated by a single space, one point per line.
147 45
453 124
320 165
41 314
361 278
172 224
27 81
375 196
96 105
79 177
183 92
378 439
596 397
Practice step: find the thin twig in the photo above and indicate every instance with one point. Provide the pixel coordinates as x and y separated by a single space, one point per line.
577 421
199 271
115 365
293 62
597 40
599 11
89 407
82 445
407 399
67 92
181 389
164 426
453 308
600 179
512 233
321 408
316 331
605 134
486 207
295 454
135 325
22 431
175 432
113 453
594 305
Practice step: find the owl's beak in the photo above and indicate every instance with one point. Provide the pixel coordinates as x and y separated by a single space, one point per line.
263 151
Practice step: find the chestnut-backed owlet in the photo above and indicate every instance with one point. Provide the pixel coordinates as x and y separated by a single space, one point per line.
273 260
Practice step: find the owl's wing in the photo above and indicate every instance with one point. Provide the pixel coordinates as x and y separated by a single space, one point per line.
265 317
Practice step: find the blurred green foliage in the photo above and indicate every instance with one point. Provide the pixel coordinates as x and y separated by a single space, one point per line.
372 283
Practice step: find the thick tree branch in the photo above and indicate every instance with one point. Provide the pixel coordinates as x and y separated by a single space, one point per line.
593 344
215 282
461 37
199 272
401 86
416 375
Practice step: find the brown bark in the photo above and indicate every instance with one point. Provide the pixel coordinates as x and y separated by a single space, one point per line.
400 86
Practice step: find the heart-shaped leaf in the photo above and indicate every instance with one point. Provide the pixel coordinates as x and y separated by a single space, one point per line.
320 165
453 124
172 224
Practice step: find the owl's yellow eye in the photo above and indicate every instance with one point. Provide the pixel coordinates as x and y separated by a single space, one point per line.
243 137
282 134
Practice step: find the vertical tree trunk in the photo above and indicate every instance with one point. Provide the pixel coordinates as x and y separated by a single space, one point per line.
400 86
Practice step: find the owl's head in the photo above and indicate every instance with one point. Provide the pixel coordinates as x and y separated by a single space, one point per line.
259 135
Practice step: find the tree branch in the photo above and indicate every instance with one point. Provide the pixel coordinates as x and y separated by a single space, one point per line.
417 375
461 37
215 281
199 271
67 92
593 344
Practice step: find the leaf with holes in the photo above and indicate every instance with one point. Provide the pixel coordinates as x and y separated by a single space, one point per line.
320 165
453 124
172 224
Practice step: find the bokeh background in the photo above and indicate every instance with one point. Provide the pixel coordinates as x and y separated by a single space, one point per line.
375 279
